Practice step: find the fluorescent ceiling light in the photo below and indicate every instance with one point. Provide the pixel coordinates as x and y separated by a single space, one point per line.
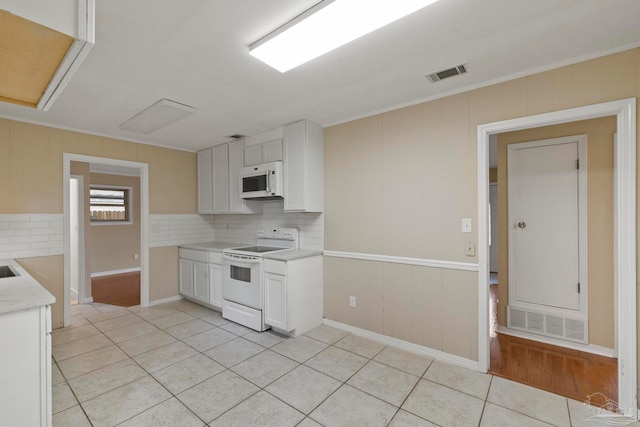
159 115
326 26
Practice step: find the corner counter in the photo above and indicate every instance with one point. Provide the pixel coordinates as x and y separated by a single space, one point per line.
25 359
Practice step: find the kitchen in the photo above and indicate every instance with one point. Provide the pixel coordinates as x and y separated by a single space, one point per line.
354 221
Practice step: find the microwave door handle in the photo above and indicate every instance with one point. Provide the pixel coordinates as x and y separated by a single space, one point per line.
268 189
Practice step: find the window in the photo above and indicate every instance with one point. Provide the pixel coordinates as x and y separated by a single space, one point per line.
110 204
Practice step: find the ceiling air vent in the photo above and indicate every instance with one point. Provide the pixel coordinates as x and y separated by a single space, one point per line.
449 72
236 136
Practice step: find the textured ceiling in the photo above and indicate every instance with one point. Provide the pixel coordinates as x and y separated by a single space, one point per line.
195 52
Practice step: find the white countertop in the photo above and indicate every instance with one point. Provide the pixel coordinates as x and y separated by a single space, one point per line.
280 255
291 254
213 246
21 292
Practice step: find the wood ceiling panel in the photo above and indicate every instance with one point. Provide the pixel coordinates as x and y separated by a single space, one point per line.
30 54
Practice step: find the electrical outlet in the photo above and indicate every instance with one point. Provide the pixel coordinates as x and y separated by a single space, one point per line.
135 256
470 249
352 302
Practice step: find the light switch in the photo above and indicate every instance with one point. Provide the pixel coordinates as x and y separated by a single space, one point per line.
466 225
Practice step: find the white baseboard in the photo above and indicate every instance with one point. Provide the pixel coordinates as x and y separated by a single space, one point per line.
87 300
588 348
404 345
112 272
165 300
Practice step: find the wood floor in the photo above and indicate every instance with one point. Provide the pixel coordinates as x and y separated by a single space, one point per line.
118 289
560 370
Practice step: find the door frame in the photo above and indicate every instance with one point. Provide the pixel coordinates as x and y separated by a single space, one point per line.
583 246
80 214
624 231
143 168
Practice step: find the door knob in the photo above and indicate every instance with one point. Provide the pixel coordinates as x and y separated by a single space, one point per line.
522 224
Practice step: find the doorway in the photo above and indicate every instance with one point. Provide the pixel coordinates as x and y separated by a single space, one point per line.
624 231
118 167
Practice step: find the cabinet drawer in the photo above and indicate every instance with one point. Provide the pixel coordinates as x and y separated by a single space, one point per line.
193 254
275 267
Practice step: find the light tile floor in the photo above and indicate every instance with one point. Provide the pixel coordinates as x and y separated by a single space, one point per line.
180 364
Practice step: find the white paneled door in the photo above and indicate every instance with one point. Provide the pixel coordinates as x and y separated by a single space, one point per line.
546 189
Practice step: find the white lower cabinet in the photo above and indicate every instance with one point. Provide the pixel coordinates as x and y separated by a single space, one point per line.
275 311
201 276
25 367
215 276
186 277
293 294
201 281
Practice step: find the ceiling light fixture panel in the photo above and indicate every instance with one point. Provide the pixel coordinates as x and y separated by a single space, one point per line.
157 116
326 26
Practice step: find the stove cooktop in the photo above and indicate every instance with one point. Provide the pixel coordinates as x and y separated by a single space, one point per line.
257 249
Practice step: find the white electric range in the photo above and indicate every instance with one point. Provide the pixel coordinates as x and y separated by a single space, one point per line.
243 278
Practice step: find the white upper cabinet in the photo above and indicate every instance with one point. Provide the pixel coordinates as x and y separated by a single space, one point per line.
205 181
236 161
219 180
263 148
302 147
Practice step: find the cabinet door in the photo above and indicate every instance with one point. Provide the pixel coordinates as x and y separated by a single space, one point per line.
186 277
205 182
215 281
201 281
295 163
221 178
236 160
253 155
276 301
272 151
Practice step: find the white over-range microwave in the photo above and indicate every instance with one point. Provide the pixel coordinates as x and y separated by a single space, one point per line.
263 181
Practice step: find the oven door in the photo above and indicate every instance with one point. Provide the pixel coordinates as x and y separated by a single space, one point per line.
242 280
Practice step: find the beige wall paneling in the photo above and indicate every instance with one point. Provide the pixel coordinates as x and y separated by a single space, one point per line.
402 180
561 88
401 288
48 271
163 273
172 179
625 68
18 167
37 188
361 279
539 93
353 174
427 191
5 166
586 83
460 313
599 216
113 245
454 183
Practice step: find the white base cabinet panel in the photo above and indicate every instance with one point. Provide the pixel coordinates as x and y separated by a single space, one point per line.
293 294
201 276
25 367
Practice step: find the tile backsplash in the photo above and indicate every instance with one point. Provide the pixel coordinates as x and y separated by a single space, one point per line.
243 228
33 235
30 235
